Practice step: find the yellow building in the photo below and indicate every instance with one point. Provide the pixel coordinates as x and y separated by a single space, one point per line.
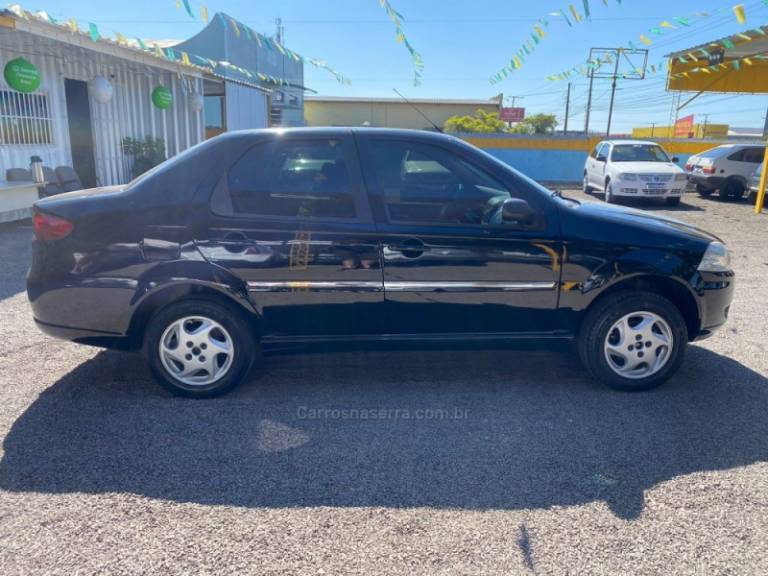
714 131
389 112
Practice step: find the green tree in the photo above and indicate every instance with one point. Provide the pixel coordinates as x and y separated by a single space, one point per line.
536 124
482 122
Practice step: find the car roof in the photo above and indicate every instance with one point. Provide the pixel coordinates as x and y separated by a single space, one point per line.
627 141
331 131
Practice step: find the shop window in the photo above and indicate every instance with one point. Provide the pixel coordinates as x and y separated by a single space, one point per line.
25 118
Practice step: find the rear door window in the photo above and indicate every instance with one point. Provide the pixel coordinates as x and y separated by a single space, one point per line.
291 179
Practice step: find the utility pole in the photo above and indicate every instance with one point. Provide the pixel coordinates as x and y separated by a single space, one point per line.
589 101
280 30
567 108
706 123
653 127
613 93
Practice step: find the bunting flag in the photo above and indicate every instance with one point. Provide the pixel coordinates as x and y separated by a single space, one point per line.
188 8
194 60
397 19
538 34
738 11
667 26
93 31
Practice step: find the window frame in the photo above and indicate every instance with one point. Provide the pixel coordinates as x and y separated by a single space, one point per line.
28 121
357 189
514 185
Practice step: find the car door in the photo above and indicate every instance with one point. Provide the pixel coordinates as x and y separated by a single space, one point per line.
450 265
290 219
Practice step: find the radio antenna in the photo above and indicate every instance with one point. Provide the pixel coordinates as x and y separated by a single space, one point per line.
435 126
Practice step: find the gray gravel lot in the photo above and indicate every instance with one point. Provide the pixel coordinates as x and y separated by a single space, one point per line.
533 469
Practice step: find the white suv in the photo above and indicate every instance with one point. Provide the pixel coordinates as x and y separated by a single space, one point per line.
633 168
726 168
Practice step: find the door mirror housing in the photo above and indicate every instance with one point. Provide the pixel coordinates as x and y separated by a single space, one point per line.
675 159
601 158
516 211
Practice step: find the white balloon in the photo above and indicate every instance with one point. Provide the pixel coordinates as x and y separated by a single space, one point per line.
196 102
102 89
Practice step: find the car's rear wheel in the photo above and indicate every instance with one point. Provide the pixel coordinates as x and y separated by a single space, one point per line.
199 348
704 191
633 340
732 190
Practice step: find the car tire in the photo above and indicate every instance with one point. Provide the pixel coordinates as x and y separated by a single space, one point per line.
587 189
203 334
732 190
704 191
645 314
610 198
673 201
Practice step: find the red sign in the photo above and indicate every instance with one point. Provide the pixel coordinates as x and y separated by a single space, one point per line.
684 127
512 114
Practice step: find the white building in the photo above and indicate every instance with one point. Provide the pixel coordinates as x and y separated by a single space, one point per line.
68 119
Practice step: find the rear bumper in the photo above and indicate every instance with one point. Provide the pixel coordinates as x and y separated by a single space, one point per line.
711 182
83 336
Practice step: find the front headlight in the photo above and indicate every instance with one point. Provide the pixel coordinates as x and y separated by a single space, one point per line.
716 258
627 176
681 177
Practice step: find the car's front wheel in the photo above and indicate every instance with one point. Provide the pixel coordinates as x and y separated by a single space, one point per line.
610 197
675 201
585 184
199 348
633 340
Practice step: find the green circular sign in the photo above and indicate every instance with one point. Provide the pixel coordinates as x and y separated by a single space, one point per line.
22 75
162 97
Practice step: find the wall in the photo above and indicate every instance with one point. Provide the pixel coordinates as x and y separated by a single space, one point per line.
562 158
245 107
699 131
385 114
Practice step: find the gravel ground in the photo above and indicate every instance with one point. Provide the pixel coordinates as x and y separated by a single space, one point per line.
530 468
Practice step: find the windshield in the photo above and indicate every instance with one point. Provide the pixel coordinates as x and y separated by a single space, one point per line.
638 153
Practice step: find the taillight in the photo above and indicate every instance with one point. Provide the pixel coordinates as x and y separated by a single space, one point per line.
708 169
688 167
49 227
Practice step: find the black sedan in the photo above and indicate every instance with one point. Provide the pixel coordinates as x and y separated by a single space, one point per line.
262 241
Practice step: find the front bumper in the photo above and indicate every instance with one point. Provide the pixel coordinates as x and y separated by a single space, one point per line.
715 290
639 189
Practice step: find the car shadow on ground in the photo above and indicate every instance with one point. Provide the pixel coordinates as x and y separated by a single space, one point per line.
520 430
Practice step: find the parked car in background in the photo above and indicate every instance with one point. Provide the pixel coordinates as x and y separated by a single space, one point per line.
754 183
727 169
632 169
266 241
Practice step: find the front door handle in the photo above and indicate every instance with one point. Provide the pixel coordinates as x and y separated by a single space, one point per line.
410 248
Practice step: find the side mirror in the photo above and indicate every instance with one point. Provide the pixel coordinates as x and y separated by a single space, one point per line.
601 158
675 159
516 211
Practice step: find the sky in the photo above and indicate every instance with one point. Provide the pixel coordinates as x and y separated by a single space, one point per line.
463 44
